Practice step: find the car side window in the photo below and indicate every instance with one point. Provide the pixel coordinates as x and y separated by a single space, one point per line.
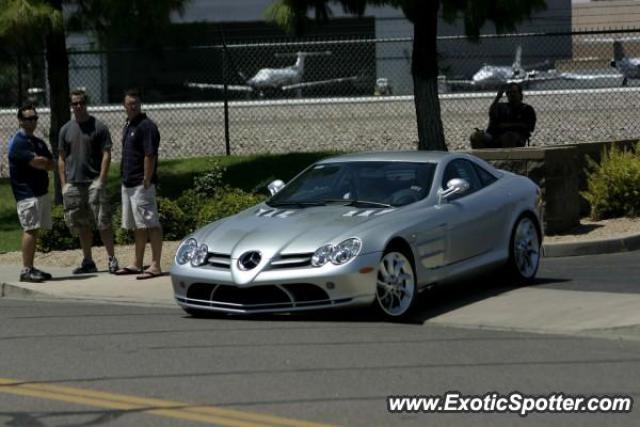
485 177
464 169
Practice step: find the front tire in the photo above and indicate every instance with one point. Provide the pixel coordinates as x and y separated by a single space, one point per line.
396 289
524 250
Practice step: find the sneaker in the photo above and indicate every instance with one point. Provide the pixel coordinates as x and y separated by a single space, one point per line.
87 266
47 276
113 264
31 275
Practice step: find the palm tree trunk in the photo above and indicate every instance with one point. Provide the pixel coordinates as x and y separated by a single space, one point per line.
58 77
424 69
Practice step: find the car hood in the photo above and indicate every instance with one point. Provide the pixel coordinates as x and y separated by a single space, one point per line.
276 230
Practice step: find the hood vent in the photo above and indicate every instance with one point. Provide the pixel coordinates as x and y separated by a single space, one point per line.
270 213
368 212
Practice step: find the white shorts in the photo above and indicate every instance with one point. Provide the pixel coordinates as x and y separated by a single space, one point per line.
35 213
139 208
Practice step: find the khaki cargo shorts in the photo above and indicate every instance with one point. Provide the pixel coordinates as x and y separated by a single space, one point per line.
139 208
35 213
86 206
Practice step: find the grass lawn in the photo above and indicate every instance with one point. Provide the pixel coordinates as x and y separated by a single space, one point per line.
246 172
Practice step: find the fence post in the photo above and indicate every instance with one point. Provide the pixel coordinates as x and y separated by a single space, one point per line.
225 77
20 84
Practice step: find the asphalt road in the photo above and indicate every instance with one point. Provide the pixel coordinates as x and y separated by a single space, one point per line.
124 365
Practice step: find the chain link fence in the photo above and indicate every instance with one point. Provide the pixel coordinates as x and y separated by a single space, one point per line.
352 94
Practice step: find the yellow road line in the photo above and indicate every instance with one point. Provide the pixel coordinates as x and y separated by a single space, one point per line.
165 408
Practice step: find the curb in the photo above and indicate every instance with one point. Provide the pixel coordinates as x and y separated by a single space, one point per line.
9 290
592 247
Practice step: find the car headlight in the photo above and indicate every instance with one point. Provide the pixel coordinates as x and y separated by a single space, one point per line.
344 251
339 254
200 255
186 250
321 256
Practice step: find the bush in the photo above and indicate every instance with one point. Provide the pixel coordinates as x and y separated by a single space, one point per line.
207 183
227 202
613 186
120 235
175 223
59 238
190 203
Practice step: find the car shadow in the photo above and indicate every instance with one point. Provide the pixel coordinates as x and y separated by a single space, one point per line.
443 299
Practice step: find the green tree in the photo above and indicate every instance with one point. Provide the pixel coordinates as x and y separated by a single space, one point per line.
131 23
38 24
504 14
32 25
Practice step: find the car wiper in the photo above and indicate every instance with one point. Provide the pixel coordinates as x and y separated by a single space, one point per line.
301 204
360 203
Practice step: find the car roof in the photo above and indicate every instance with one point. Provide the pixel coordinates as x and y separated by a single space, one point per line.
398 156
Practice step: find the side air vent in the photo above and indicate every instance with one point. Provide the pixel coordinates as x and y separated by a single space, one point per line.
291 261
217 260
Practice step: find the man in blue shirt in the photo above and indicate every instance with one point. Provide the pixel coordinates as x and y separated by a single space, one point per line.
29 163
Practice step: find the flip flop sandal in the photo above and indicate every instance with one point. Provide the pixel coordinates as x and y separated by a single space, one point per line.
127 270
149 275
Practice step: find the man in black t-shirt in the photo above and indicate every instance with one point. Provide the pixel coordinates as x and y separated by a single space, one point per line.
510 123
138 169
29 163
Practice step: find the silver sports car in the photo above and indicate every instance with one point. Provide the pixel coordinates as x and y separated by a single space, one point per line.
358 229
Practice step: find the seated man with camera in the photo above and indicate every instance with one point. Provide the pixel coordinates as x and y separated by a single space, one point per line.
510 123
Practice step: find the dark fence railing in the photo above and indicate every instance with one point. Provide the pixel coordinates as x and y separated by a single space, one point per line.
350 95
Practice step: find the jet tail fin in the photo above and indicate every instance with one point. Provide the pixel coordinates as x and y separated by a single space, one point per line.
517 62
618 51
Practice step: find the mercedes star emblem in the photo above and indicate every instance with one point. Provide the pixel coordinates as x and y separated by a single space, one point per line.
249 260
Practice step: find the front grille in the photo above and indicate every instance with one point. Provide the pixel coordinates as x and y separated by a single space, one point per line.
291 261
219 260
262 297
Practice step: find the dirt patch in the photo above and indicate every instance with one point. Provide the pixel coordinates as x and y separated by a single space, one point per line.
73 258
598 230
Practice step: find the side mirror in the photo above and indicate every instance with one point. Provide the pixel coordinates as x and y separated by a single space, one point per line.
275 186
454 186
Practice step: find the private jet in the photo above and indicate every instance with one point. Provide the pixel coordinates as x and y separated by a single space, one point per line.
283 79
628 67
495 76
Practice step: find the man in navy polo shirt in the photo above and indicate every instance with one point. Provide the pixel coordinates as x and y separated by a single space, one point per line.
139 165
29 161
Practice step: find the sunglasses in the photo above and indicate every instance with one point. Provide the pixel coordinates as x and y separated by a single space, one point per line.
30 119
77 103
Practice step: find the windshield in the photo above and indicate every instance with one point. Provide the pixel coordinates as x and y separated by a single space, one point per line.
376 184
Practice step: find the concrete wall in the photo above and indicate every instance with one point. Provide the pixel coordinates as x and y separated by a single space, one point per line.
560 171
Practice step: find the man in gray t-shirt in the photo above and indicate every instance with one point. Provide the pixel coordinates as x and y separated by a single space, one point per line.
84 146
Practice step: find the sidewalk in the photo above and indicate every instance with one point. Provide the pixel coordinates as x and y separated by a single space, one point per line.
107 288
98 287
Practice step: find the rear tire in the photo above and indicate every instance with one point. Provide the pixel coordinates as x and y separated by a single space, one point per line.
524 250
396 288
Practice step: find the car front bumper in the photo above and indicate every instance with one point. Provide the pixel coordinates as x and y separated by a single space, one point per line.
282 290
